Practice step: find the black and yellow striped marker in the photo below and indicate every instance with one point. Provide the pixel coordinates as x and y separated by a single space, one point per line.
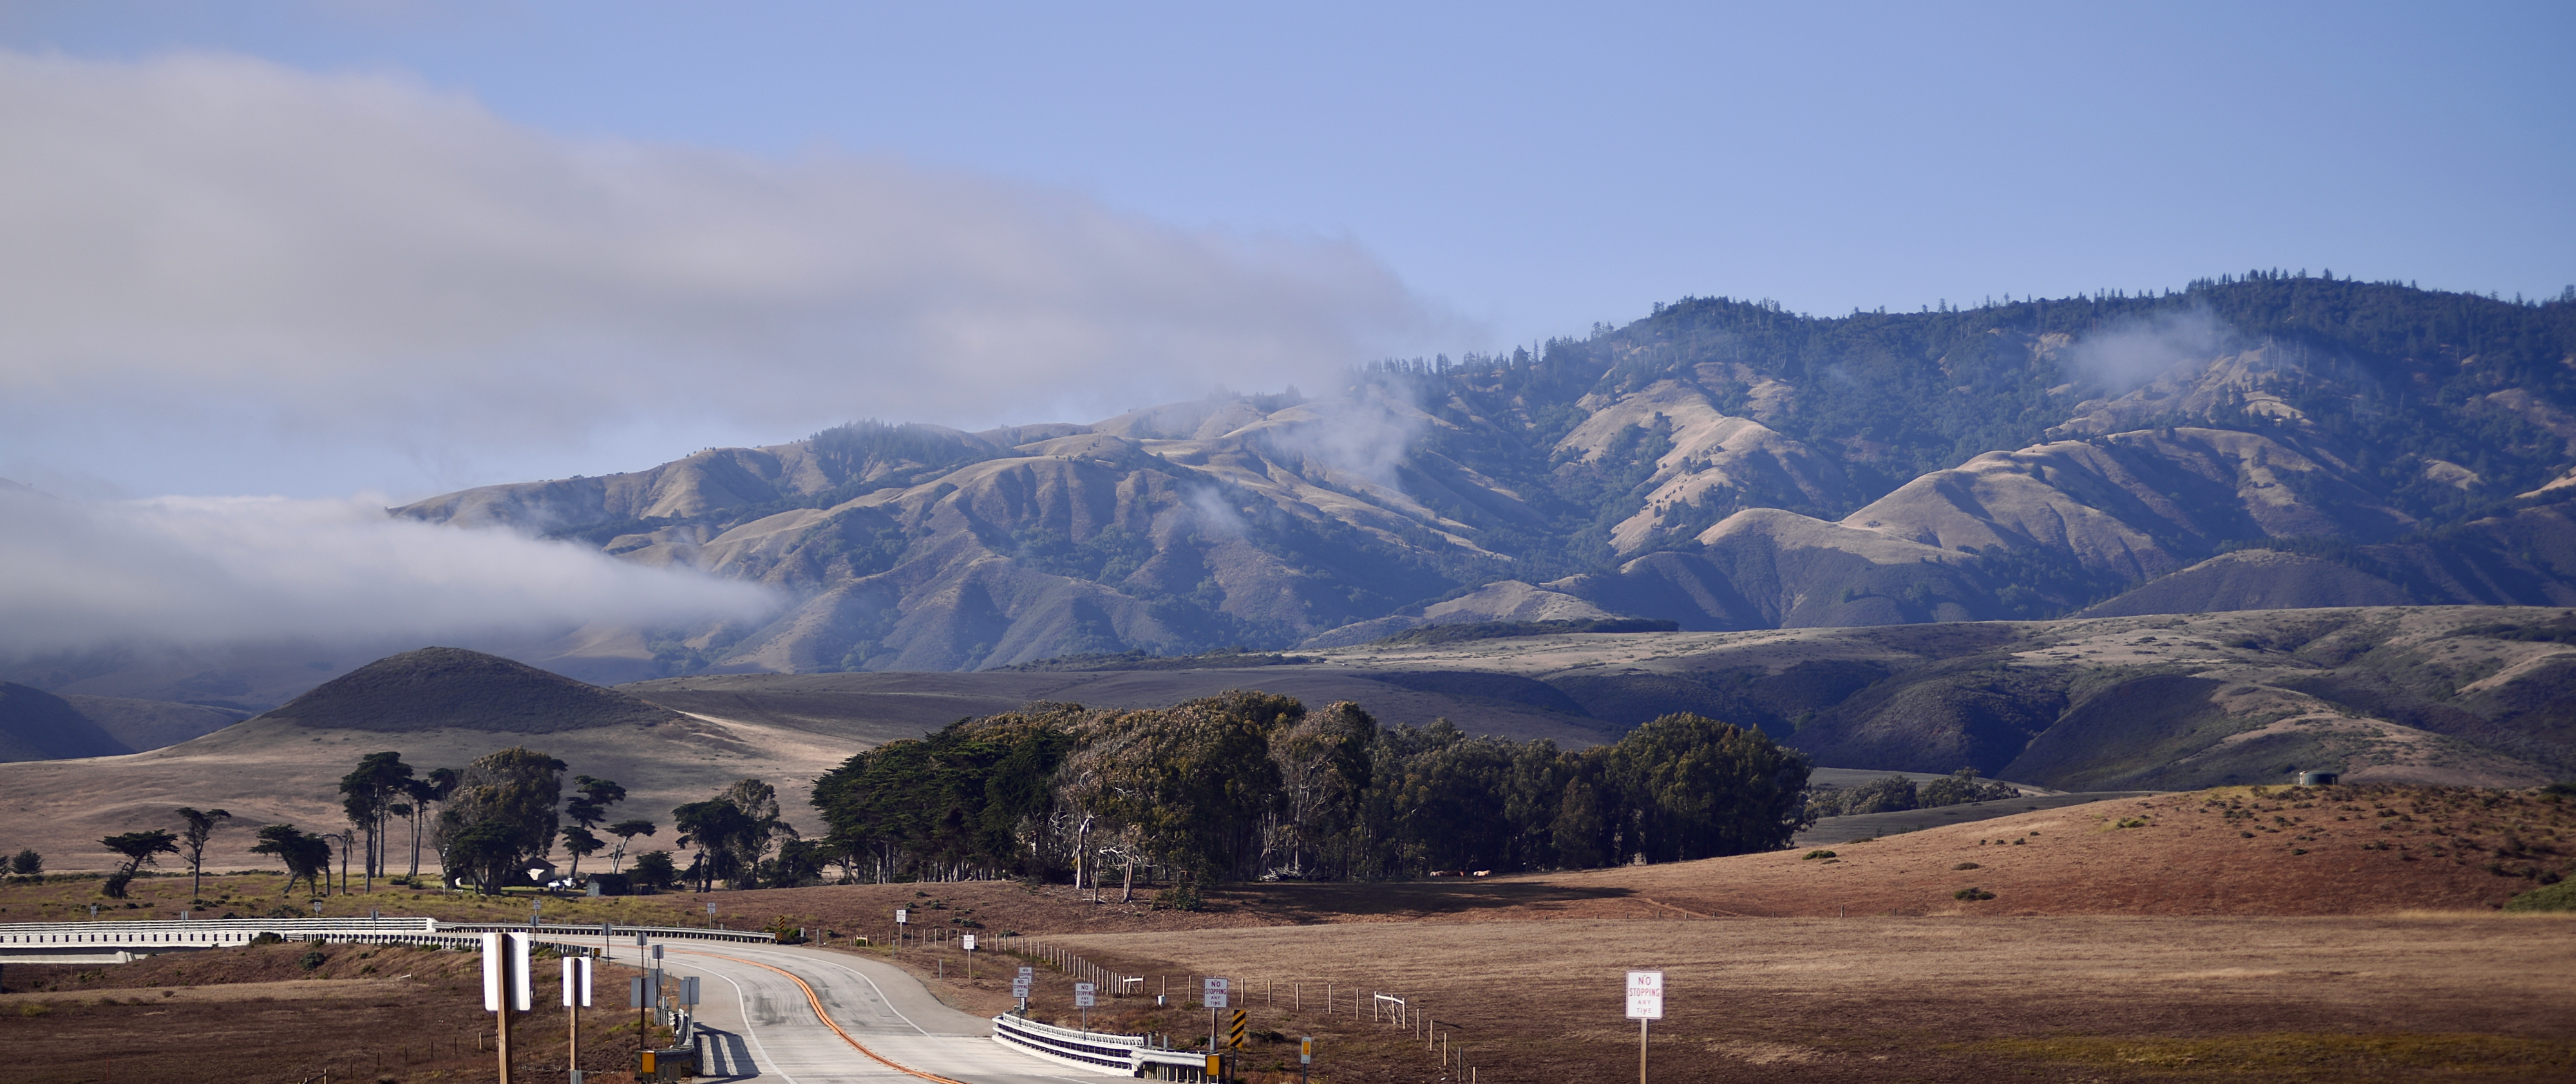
1234 1031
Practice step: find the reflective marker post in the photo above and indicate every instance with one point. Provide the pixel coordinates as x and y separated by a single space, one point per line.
1645 1002
576 997
505 985
1305 1057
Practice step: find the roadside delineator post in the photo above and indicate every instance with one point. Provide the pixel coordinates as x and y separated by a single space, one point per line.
576 997
505 986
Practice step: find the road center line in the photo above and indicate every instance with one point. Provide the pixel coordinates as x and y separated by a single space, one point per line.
816 1001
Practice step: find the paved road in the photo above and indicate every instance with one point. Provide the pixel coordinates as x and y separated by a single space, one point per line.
763 1027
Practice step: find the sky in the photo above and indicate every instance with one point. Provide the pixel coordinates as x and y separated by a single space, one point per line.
337 250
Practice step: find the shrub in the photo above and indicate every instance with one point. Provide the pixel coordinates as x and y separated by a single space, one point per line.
1967 865
1816 854
311 960
1972 894
2557 897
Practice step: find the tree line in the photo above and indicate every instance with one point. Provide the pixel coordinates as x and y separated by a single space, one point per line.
1249 785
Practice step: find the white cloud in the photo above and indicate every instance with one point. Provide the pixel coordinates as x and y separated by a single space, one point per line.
2128 355
207 571
202 238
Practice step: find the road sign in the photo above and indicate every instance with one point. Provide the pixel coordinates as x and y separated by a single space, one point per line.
1028 972
1214 993
505 970
1306 1050
1234 1031
902 915
1645 995
576 981
636 998
689 990
970 942
1083 995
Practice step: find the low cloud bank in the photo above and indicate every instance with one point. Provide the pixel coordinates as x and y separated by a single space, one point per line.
205 571
207 238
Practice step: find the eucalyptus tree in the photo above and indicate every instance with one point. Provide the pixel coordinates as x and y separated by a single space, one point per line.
501 815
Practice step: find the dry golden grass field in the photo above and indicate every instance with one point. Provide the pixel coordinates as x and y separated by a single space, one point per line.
2325 935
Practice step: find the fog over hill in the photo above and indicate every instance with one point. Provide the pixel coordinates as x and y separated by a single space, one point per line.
2271 440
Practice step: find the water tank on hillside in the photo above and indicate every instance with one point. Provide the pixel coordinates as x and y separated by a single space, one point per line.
2319 779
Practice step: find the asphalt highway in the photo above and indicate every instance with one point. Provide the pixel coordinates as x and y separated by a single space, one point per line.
763 1026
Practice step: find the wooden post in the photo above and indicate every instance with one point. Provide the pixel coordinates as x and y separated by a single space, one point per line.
1641 1050
503 1043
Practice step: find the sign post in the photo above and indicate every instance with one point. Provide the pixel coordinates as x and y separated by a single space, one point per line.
1305 1057
901 915
1645 1002
1216 994
576 997
1082 999
970 957
639 1001
1021 983
505 986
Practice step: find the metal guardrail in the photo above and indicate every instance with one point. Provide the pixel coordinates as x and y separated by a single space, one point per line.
1089 1049
576 929
87 941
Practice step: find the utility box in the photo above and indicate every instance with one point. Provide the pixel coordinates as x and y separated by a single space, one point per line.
673 1064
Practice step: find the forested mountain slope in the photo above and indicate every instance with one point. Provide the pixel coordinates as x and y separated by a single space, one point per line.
1721 464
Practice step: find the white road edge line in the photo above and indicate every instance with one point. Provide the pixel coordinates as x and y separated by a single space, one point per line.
752 1030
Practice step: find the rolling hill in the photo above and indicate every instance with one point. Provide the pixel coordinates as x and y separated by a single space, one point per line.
2482 696
2287 441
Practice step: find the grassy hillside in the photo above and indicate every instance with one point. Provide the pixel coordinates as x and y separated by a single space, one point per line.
1721 465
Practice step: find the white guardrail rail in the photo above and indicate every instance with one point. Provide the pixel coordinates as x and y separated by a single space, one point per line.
1103 1052
120 942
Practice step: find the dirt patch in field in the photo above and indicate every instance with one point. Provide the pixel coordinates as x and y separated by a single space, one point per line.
273 1012
1876 999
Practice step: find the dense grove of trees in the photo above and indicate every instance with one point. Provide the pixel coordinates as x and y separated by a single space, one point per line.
1895 793
1248 785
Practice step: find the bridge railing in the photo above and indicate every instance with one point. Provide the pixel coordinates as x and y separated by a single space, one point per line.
21 938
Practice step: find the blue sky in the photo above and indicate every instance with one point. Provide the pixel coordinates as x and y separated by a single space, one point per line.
1412 178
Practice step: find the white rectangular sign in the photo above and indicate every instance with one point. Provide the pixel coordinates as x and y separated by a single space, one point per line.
1214 984
1084 988
1645 995
576 981
1215 999
1083 1001
902 915
970 942
505 963
1028 972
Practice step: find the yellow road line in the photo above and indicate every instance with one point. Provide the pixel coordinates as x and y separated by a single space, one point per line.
812 999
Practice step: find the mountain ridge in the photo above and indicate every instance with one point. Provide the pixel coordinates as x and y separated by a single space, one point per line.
1721 464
